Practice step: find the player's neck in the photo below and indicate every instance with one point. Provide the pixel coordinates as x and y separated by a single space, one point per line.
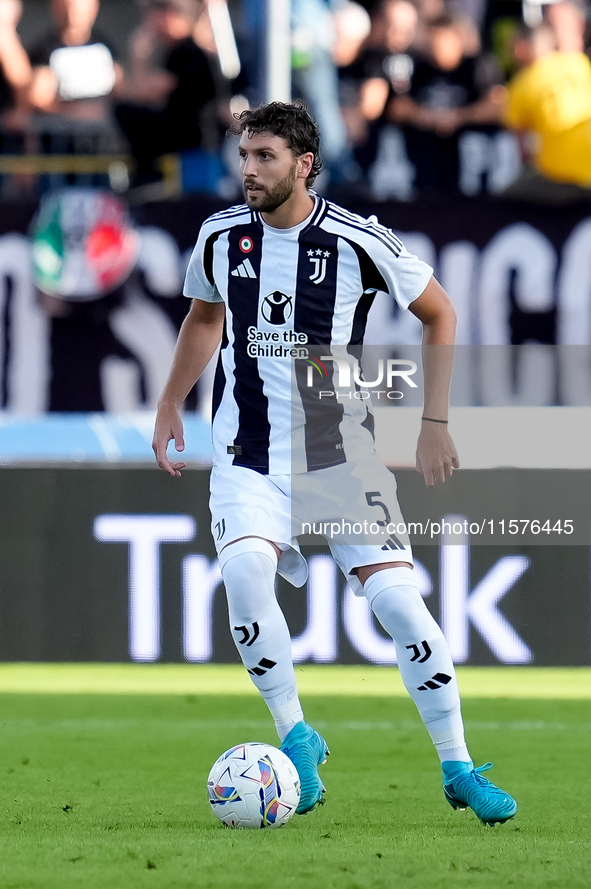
293 211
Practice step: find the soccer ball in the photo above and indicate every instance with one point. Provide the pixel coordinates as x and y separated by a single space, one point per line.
253 785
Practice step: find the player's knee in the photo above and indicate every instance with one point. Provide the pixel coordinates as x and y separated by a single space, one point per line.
254 549
403 608
399 601
248 570
401 594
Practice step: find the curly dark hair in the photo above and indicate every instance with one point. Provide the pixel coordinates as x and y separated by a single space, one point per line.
293 122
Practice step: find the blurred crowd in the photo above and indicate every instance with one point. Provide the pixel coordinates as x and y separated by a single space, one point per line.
414 97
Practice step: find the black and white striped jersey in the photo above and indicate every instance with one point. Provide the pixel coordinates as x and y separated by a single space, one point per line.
290 294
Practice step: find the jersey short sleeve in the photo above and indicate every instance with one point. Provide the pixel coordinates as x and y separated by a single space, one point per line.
384 262
199 282
405 275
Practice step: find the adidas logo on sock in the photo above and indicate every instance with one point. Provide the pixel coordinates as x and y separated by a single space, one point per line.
436 681
264 665
244 270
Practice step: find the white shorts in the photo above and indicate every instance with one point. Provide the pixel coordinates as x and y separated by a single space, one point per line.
340 503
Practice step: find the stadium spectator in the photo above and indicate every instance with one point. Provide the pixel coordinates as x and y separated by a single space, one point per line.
163 106
352 26
567 20
383 68
473 11
74 68
15 69
315 79
385 63
550 98
428 11
447 93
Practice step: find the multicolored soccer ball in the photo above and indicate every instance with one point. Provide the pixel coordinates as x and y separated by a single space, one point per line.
253 785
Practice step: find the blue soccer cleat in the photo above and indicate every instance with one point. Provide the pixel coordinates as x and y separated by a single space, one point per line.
307 750
465 787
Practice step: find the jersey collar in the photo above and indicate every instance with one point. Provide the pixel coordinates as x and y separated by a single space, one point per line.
319 210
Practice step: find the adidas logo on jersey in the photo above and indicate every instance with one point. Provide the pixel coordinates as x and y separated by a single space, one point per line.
244 270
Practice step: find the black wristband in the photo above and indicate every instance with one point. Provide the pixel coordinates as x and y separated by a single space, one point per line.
431 420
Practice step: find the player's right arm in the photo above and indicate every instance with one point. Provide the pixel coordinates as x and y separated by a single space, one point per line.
199 337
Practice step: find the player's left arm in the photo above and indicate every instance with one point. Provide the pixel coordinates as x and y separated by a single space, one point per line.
436 453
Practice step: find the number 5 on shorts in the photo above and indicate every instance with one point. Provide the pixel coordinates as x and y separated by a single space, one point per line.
370 496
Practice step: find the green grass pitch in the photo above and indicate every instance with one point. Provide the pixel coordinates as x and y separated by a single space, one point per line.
103 771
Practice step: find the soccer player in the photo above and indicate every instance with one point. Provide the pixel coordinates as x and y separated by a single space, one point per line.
290 267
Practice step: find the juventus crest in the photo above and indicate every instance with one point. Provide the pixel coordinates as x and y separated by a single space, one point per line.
318 259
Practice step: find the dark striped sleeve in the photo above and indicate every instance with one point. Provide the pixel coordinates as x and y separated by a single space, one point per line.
402 275
199 281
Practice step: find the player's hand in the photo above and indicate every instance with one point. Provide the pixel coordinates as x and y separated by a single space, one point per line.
436 454
168 427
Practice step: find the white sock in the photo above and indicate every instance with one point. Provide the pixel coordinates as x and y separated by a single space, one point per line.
286 710
259 628
423 655
447 735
